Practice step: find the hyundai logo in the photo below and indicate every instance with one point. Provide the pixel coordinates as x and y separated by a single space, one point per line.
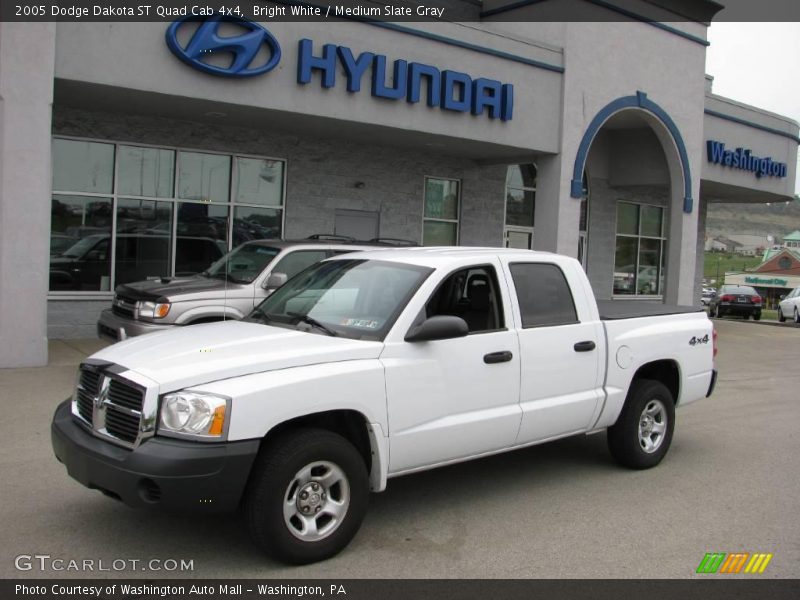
206 42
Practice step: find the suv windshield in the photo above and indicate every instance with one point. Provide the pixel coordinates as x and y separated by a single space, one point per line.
358 299
242 264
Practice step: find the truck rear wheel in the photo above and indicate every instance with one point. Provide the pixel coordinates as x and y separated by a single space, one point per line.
307 497
643 432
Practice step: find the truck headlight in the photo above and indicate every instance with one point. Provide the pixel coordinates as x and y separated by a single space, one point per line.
154 310
197 415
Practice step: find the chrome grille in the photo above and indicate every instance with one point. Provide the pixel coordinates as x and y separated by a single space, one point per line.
112 407
124 395
87 391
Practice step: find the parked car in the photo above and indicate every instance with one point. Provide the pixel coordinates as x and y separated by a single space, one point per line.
736 300
708 293
370 366
228 289
789 307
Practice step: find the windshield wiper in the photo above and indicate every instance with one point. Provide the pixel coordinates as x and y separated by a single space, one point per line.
313 322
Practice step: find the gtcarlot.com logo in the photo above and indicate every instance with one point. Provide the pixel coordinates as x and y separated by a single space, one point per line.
735 562
46 562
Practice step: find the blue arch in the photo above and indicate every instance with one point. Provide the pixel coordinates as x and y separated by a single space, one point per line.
640 100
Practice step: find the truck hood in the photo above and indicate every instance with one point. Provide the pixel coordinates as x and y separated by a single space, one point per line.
190 356
183 289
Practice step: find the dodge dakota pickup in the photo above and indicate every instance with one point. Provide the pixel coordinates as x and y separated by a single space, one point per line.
373 365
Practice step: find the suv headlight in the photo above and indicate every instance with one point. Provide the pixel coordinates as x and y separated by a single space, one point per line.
197 415
154 310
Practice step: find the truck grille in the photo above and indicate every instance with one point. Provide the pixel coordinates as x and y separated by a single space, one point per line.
124 307
111 407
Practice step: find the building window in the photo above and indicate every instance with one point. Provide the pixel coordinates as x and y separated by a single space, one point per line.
583 223
123 213
441 212
640 250
520 206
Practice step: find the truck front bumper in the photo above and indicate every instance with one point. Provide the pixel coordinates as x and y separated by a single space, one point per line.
116 328
163 473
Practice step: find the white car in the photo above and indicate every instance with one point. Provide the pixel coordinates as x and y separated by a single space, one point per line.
370 366
789 307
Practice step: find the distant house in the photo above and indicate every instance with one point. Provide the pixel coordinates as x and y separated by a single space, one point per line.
748 245
777 275
792 240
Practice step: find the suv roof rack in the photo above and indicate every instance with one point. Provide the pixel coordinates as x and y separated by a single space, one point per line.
389 241
331 237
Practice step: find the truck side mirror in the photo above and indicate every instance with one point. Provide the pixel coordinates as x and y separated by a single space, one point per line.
439 327
276 280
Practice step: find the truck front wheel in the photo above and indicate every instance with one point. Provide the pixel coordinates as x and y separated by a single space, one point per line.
307 496
641 436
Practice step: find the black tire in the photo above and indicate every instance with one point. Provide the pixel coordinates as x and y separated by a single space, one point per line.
272 482
757 317
720 314
781 318
796 317
624 440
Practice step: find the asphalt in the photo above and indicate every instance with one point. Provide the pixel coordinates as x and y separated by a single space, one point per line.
560 510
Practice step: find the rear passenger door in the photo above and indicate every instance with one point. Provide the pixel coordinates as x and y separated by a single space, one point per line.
562 366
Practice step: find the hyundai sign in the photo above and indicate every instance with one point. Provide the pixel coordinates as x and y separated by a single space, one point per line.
398 80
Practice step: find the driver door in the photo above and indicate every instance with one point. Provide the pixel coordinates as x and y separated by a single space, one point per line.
455 398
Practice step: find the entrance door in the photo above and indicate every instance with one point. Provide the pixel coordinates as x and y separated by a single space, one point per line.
358 224
520 206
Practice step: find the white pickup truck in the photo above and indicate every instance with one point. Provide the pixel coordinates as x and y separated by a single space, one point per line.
370 366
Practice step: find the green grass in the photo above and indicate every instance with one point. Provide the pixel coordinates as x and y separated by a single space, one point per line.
720 263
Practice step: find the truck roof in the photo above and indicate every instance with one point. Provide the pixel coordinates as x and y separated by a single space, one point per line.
441 255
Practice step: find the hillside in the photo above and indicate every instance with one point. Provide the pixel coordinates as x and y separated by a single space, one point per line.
755 219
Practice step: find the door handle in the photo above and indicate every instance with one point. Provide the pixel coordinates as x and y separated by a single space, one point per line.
497 357
587 346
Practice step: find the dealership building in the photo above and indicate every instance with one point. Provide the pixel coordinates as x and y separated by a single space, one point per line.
134 150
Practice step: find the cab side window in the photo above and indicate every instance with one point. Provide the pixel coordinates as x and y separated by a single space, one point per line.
471 294
296 261
543 294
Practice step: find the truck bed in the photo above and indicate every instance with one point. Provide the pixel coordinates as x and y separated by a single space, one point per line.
611 310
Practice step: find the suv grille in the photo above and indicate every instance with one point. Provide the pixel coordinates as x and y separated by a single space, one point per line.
124 307
112 407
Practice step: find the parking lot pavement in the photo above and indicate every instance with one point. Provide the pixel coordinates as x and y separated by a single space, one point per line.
729 483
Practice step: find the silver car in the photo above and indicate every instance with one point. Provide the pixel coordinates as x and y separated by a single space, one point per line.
228 289
789 307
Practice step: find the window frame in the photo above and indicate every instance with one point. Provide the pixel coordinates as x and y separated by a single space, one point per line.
519 228
174 201
456 221
663 240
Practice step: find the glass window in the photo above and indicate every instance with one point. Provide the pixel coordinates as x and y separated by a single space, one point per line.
202 236
639 264
439 233
204 177
627 218
520 205
81 229
471 294
440 212
146 172
358 299
157 192
80 166
259 181
250 223
543 294
294 262
143 248
243 264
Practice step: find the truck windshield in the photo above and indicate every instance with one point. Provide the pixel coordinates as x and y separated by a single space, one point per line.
243 263
358 299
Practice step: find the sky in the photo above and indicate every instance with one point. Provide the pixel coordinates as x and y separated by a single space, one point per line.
758 64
